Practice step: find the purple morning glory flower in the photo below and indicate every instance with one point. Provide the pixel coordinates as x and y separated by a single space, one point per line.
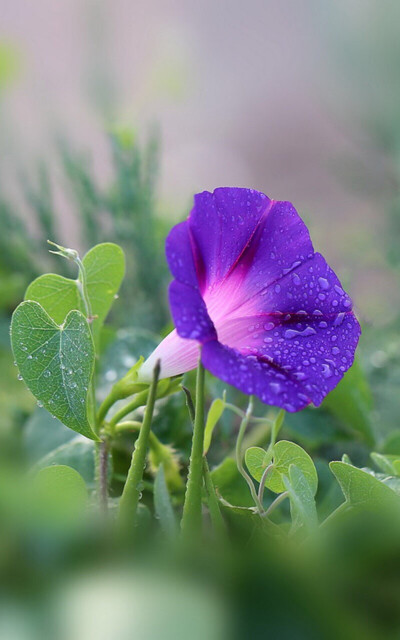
270 314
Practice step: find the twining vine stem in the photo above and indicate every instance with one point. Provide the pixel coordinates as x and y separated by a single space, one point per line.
239 455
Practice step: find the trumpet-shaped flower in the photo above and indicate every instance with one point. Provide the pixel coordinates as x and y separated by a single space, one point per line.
269 313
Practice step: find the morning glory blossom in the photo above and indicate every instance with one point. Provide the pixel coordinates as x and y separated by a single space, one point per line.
270 315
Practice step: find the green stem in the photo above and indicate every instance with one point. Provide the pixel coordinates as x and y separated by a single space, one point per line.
138 401
241 414
239 455
213 504
101 449
105 407
191 519
212 498
131 494
135 426
275 503
263 481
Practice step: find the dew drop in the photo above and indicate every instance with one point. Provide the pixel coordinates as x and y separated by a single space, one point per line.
326 371
275 387
339 319
323 283
269 326
293 333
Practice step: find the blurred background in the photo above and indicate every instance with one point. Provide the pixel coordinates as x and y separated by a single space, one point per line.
113 114
297 99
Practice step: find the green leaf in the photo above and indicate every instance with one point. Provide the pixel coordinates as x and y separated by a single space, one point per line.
215 412
42 434
389 480
162 504
257 460
346 458
105 268
56 362
287 453
56 294
59 495
302 500
361 489
389 464
351 402
77 454
230 485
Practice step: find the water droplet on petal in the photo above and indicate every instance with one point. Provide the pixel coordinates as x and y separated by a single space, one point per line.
323 283
326 371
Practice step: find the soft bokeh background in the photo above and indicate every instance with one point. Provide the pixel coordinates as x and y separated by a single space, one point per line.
297 99
112 114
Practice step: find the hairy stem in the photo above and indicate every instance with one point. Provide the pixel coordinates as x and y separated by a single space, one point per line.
130 496
191 519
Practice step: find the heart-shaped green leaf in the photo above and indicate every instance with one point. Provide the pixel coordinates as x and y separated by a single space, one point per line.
56 294
361 489
257 460
56 362
287 453
104 266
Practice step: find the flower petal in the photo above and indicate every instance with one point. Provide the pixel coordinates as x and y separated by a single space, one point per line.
253 376
190 313
311 289
280 243
222 224
314 351
176 356
180 256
